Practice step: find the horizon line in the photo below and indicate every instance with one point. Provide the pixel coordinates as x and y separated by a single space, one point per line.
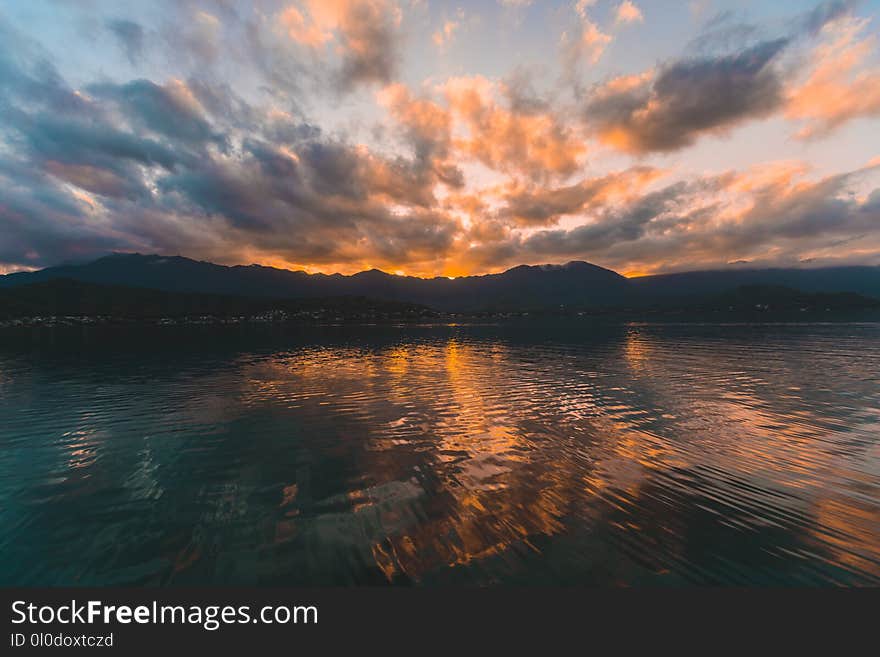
741 265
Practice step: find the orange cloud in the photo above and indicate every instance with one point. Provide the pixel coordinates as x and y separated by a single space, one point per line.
686 99
589 44
340 14
780 176
628 12
840 85
425 118
585 43
301 30
89 178
474 124
444 35
427 127
537 205
364 31
772 214
532 143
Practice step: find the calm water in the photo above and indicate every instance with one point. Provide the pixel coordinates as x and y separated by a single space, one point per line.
553 453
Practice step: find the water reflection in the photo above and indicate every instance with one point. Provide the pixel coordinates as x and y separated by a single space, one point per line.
533 453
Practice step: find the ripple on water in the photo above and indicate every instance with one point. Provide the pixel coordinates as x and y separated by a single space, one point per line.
541 453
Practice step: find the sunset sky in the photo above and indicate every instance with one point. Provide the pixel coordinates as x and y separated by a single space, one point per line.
441 138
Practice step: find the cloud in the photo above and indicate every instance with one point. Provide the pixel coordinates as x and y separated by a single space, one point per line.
581 7
586 43
519 92
687 99
469 120
366 33
517 141
772 215
186 166
130 36
592 42
42 223
171 109
318 202
840 84
824 13
712 93
444 35
197 35
370 40
29 77
427 129
540 206
628 12
88 140
615 227
301 30
220 158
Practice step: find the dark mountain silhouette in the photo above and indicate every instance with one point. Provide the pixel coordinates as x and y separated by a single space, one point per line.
576 285
860 280
520 287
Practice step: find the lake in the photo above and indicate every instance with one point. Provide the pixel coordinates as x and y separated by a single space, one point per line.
563 452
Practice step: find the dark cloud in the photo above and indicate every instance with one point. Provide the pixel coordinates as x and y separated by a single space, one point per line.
130 36
276 60
815 210
226 40
171 110
27 75
326 204
725 32
540 206
91 141
194 35
222 103
522 98
615 227
426 128
65 133
42 223
729 31
313 199
370 43
190 167
706 93
689 98
826 12
679 226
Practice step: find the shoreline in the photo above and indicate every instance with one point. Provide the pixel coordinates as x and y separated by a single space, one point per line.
448 319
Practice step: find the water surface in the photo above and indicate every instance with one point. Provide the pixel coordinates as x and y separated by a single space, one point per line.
525 453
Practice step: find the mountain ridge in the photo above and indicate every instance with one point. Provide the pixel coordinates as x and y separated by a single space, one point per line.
573 284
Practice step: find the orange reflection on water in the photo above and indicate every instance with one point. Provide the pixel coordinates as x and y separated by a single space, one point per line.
472 450
850 528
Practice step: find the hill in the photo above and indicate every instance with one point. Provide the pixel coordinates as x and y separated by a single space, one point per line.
703 284
573 286
521 287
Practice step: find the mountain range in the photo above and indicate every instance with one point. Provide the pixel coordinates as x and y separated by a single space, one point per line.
575 285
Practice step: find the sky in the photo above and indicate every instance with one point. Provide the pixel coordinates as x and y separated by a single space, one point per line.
437 138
